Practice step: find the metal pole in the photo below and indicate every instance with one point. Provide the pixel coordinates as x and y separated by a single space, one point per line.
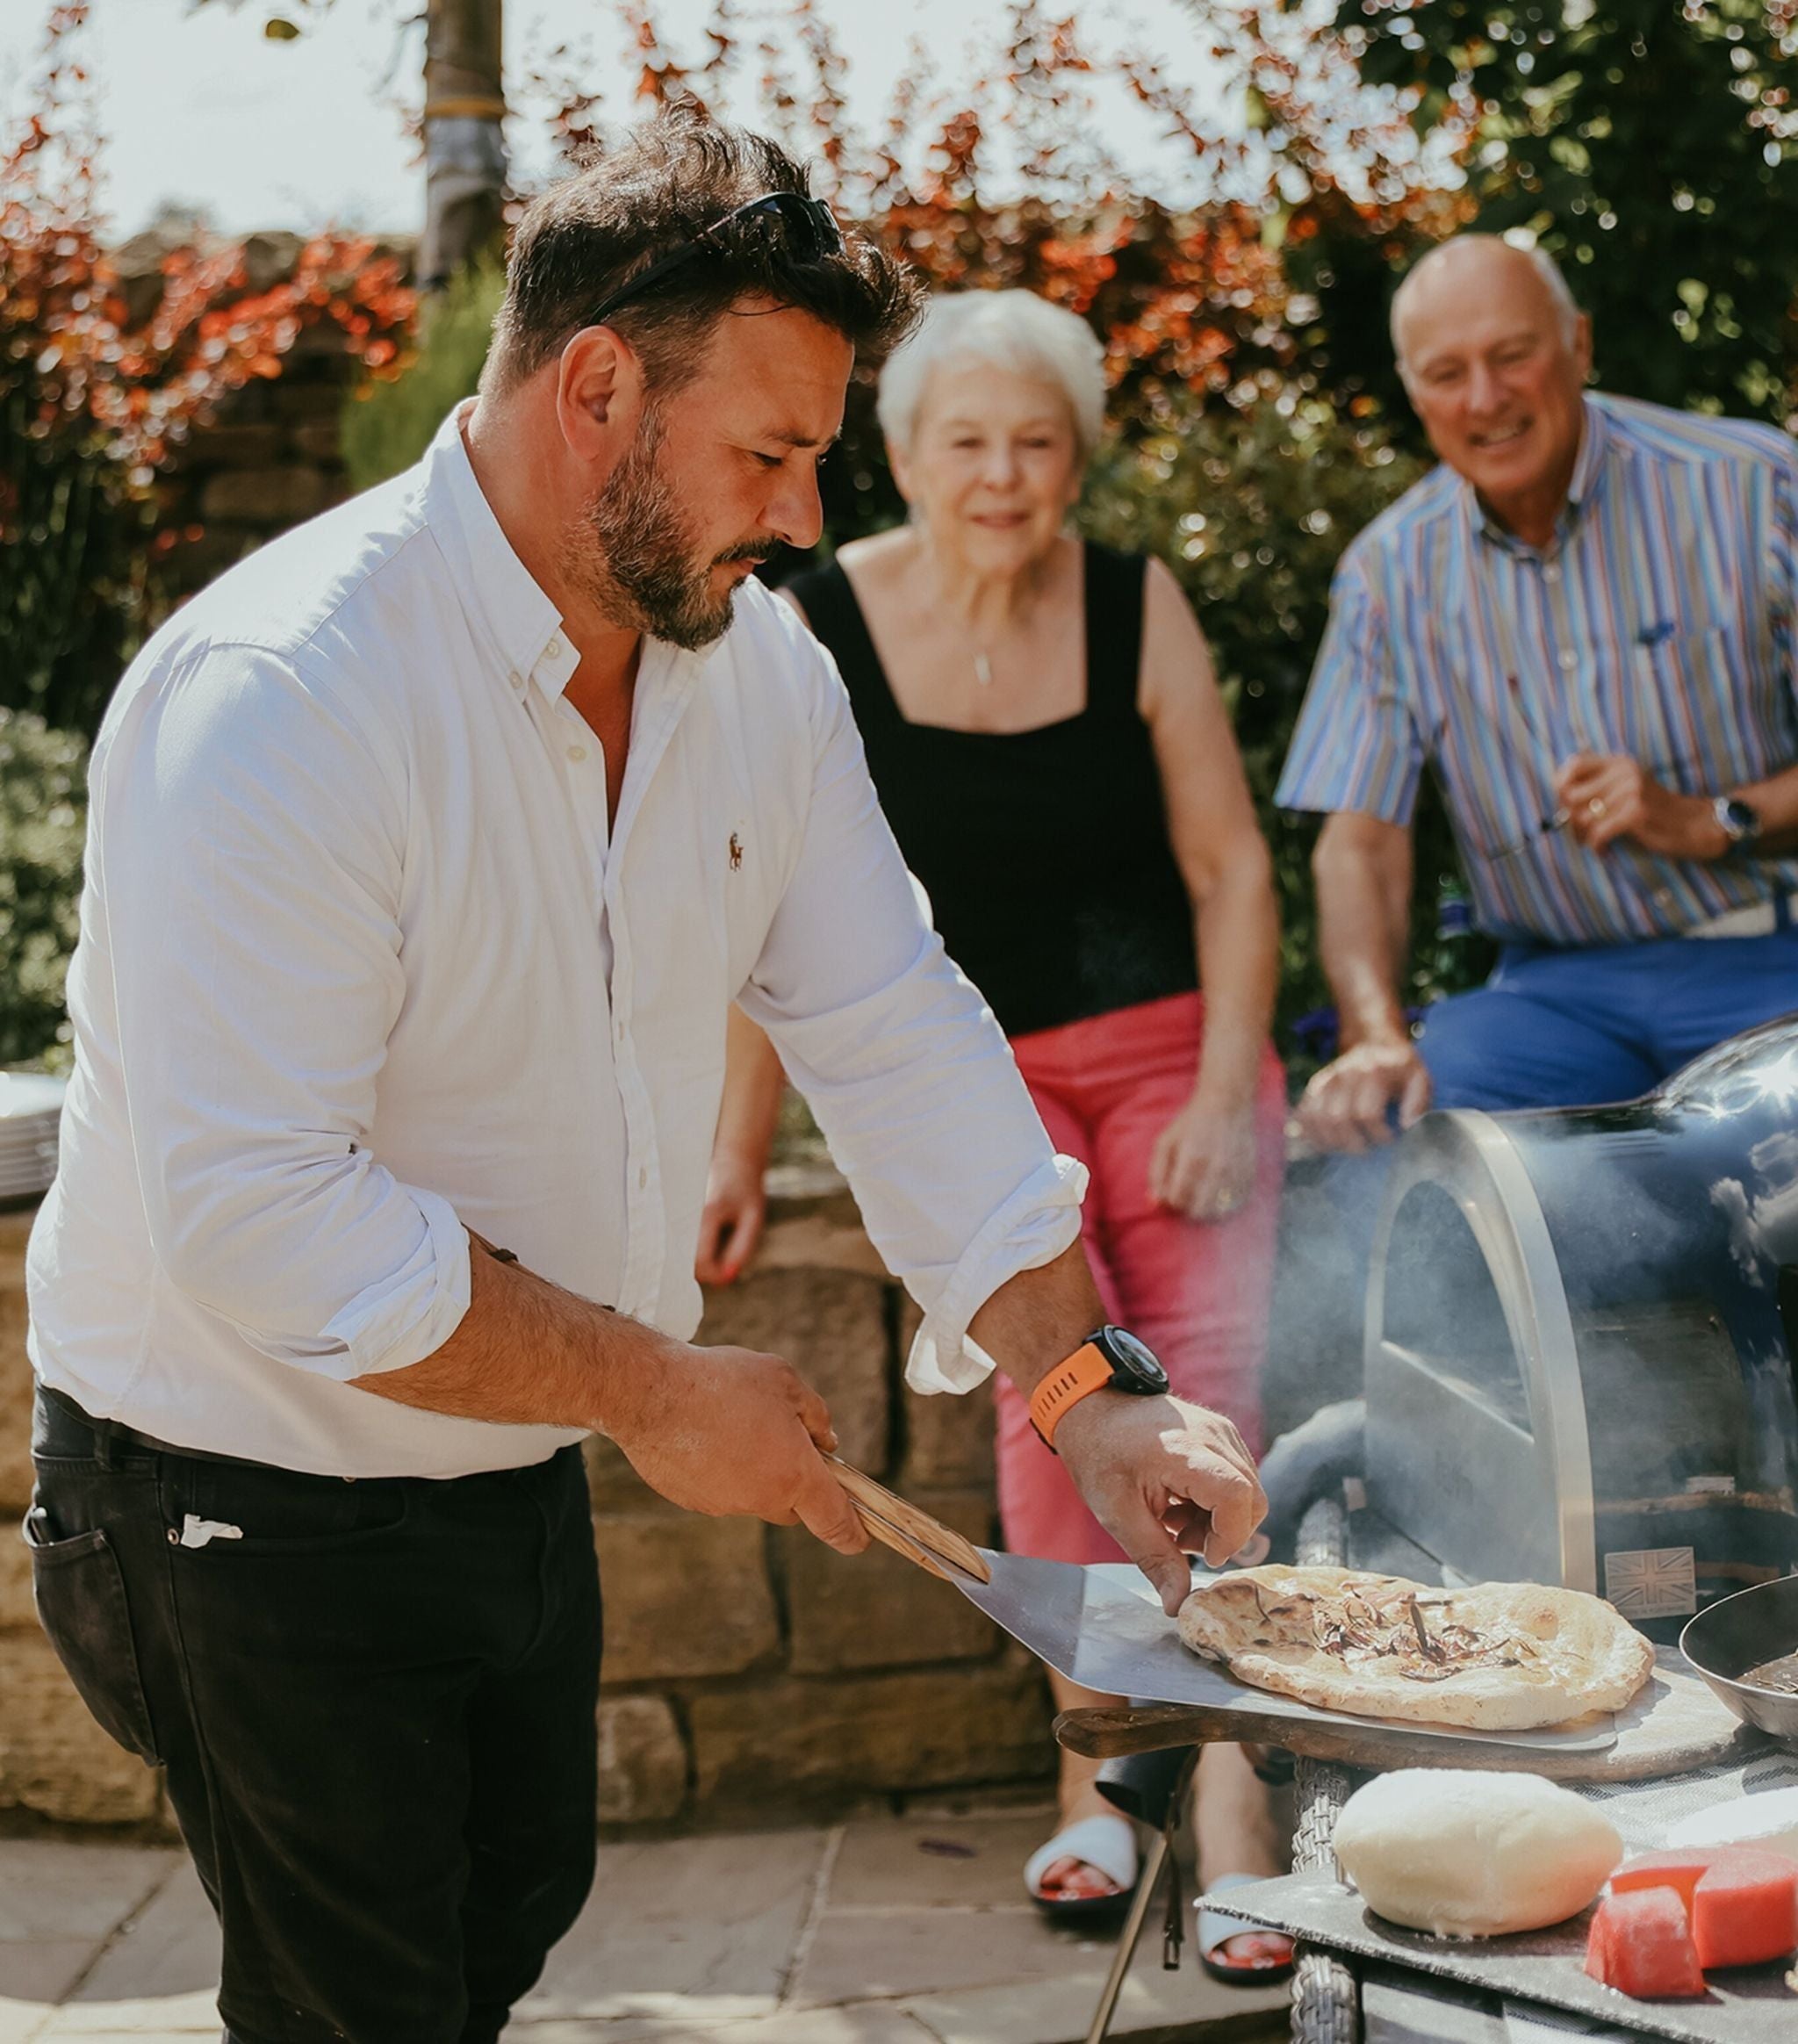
1141 1903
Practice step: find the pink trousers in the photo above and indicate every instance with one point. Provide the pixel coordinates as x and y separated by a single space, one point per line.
1196 1292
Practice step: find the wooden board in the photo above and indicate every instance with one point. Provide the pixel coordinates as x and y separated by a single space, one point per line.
1674 1726
1747 2004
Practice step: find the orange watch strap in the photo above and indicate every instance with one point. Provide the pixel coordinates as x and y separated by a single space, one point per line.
1088 1369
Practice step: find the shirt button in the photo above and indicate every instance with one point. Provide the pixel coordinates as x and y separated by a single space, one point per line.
643 1177
577 753
1570 661
553 650
517 681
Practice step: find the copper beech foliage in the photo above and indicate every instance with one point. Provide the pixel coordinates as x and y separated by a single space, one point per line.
94 399
1007 178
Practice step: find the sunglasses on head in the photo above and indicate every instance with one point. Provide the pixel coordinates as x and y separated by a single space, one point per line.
802 229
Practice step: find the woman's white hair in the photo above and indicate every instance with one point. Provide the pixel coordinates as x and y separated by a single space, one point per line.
1013 330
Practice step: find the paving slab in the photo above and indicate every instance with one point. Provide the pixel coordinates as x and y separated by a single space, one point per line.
1186 2004
158 1976
870 1955
870 2023
881 1931
700 1929
51 1888
21 2021
938 1860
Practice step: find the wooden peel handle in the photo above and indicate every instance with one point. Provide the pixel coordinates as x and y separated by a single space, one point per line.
906 1528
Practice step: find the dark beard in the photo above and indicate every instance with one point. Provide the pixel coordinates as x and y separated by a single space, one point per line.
634 553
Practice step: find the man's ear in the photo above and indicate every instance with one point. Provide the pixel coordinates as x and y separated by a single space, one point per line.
1582 345
599 394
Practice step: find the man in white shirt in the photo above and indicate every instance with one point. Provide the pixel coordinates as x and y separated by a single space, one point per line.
428 850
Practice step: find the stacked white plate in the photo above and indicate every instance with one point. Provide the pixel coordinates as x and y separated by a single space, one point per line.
31 1106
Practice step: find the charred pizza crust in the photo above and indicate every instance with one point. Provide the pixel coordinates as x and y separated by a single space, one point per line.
1500 1657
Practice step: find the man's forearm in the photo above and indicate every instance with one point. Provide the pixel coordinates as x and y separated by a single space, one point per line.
526 1353
1775 802
1039 1317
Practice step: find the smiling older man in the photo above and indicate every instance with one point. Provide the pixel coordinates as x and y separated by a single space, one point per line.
1582 622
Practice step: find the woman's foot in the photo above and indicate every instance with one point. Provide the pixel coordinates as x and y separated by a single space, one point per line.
1090 1823
1074 1879
1238 1840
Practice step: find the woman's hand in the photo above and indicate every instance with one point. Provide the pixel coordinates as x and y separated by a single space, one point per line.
731 1225
1205 1160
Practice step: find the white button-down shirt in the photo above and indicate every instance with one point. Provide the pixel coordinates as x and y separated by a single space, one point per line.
361 960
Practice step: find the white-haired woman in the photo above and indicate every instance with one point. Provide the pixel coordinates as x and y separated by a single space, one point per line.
1047 737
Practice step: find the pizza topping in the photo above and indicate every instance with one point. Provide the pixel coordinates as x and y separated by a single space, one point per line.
1496 1655
1363 1624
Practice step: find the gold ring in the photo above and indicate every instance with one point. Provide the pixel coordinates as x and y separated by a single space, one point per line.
1595 807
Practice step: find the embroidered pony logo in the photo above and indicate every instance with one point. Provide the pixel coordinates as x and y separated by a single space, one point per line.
736 851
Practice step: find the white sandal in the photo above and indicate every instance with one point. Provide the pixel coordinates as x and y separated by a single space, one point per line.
1105 1841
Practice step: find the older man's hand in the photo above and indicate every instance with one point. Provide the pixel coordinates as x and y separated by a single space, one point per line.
1346 1105
1608 795
1162 1477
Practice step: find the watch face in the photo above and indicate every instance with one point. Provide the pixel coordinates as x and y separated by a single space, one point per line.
1743 820
1134 1365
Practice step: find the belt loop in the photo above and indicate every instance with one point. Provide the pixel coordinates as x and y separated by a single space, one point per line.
105 1448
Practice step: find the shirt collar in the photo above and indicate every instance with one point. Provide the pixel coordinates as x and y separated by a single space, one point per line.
520 623
1596 435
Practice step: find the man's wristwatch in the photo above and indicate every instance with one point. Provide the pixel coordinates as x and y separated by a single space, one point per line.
1112 1359
1739 821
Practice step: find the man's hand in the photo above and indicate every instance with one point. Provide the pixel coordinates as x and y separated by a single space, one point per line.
731 1225
1610 796
726 1431
1203 1162
1345 1105
1162 1476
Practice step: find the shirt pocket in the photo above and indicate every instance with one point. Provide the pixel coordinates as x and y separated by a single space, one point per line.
1692 713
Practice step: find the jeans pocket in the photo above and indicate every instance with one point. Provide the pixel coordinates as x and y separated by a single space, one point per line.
79 1588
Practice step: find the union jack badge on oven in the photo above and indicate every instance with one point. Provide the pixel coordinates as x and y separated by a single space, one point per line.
1653 1582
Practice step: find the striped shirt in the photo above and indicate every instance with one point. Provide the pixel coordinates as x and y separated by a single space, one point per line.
1658 624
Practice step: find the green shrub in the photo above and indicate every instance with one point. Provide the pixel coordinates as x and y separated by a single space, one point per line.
43 808
387 425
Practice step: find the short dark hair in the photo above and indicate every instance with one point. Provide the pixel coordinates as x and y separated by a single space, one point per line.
664 183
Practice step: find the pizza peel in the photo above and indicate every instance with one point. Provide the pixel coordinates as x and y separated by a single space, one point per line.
1102 1626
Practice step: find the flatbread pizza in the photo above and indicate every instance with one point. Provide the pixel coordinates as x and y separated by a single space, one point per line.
1498 1657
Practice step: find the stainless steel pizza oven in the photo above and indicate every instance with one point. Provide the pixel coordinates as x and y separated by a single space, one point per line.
1582 1334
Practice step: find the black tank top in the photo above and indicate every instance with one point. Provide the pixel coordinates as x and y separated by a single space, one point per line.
1044 852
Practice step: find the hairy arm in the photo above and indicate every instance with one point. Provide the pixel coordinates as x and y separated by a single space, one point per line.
716 1430
1362 868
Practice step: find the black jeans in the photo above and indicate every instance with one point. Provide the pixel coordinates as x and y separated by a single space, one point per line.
375 1702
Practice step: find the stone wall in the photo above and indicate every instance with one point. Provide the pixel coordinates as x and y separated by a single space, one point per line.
748 1671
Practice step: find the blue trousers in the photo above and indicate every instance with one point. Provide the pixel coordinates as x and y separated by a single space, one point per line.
1576 1028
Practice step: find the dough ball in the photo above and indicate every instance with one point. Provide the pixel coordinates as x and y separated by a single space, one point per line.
1464 1855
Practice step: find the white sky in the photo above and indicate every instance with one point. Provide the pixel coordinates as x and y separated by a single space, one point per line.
203 108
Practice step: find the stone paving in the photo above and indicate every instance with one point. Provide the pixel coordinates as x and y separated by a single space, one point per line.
882 1930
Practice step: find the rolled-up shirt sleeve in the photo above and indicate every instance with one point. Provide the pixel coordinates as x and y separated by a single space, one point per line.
1356 746
252 828
909 1077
